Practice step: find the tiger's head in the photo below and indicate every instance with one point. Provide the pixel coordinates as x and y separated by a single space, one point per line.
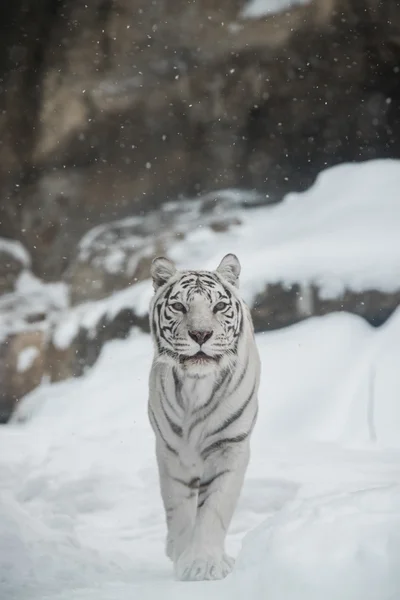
196 317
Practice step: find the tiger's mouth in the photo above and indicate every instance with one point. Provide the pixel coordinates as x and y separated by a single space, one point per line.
200 358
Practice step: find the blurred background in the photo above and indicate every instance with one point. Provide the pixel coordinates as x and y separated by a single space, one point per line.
191 128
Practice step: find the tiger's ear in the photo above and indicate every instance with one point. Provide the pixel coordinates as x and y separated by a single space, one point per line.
161 270
229 269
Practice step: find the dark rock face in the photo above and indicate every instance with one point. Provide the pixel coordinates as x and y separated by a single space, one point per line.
279 305
22 366
111 108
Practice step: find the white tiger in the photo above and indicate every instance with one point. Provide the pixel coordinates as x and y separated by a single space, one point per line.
202 407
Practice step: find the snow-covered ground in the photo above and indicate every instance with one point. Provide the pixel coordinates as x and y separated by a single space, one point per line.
80 512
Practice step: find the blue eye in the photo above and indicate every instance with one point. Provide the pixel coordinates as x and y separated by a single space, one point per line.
220 306
178 306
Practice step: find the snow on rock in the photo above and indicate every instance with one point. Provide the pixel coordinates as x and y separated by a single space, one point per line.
16 250
30 304
26 358
255 9
89 314
26 316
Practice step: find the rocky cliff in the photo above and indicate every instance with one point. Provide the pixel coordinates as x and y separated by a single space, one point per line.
111 107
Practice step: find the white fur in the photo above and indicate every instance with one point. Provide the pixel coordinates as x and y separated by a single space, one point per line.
187 454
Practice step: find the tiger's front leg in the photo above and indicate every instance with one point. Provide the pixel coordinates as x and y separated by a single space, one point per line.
204 557
179 491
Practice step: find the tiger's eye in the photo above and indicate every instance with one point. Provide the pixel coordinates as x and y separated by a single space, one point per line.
219 306
178 306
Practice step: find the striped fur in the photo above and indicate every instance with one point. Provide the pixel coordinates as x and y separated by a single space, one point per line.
202 408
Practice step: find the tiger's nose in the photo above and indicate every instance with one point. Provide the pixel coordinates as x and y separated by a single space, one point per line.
200 336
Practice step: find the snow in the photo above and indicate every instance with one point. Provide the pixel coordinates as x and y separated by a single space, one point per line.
335 545
33 300
119 245
16 250
29 285
88 314
80 512
254 9
26 358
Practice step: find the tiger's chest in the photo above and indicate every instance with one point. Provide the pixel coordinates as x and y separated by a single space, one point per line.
199 412
196 393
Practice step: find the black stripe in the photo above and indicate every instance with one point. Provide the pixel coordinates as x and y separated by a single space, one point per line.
235 416
195 423
160 328
152 416
217 386
240 328
168 291
208 277
178 388
204 500
243 373
158 307
205 484
167 352
176 429
201 503
216 404
155 331
167 400
193 484
220 443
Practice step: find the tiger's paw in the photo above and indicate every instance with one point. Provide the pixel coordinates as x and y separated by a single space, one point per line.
203 565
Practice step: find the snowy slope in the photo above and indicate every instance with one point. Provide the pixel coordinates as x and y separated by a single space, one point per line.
341 233
80 513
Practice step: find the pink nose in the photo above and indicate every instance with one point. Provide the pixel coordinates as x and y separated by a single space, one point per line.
200 336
